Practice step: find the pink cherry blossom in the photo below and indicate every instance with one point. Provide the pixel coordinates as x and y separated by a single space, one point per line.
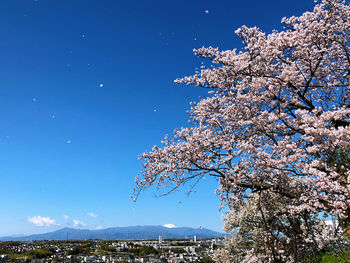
276 122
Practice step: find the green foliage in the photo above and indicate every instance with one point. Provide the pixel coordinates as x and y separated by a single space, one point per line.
7 246
41 253
107 248
144 251
327 258
33 254
205 260
9 243
340 159
86 245
178 250
81 249
18 256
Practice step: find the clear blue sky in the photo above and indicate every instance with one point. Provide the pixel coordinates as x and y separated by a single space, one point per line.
69 147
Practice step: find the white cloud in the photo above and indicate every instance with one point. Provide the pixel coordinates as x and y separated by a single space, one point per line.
65 217
99 227
41 221
92 215
169 225
78 223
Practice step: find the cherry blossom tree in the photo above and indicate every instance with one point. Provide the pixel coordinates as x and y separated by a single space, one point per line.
264 230
275 123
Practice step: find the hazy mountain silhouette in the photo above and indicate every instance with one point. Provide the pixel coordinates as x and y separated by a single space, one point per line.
120 233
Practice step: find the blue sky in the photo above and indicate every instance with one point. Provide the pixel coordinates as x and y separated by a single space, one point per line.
86 86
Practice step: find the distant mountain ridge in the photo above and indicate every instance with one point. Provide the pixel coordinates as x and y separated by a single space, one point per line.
120 233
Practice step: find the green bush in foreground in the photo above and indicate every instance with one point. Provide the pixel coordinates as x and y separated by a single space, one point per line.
327 258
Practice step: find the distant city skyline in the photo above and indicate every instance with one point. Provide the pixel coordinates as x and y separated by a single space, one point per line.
87 86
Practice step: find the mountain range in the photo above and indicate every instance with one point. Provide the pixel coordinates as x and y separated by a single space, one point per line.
120 233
